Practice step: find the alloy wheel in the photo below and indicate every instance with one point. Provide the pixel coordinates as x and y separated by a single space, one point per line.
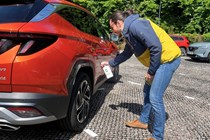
83 101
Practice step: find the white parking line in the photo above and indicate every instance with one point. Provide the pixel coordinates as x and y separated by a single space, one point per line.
91 133
133 83
188 97
182 74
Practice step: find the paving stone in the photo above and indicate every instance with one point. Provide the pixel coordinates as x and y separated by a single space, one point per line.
187 102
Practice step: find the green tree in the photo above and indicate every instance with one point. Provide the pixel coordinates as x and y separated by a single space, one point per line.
176 16
198 11
103 9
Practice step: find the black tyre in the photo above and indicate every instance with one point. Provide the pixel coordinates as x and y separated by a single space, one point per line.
195 59
79 106
116 76
183 50
208 59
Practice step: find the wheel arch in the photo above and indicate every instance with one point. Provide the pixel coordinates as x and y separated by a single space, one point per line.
89 71
80 66
183 50
183 47
208 57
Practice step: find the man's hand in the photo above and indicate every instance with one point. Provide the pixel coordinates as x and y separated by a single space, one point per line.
149 78
104 63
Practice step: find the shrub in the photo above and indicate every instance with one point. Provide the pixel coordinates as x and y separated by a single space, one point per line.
206 37
197 37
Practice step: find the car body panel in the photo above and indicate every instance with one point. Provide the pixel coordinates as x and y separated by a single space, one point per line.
28 66
12 28
199 50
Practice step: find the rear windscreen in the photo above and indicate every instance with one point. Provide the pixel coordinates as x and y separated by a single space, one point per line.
19 10
8 2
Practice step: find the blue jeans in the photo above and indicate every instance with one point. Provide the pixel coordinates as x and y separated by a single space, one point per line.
153 97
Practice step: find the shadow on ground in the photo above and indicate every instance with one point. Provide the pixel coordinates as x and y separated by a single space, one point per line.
50 131
99 97
196 60
136 109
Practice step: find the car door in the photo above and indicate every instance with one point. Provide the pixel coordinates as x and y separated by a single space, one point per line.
106 49
99 49
89 41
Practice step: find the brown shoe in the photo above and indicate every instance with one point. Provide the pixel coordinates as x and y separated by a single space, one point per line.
150 139
136 124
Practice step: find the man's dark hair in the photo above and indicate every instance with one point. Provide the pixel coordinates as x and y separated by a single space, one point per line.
119 15
130 11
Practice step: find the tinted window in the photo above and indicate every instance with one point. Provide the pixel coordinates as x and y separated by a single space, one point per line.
80 19
19 10
177 38
10 2
173 37
101 32
180 38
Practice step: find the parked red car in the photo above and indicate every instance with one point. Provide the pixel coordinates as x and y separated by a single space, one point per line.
182 42
50 56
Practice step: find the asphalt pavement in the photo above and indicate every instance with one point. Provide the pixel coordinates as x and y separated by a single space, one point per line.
187 102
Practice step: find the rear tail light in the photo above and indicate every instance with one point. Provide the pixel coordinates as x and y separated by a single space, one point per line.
26 47
25 112
30 43
7 41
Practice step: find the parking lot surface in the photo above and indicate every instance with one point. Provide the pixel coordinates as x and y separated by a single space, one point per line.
187 102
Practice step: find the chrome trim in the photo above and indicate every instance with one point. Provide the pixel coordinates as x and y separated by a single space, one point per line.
8 127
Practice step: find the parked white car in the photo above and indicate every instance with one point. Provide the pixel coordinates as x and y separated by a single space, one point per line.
199 51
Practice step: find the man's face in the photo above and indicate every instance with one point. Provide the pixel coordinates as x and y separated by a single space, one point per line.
116 27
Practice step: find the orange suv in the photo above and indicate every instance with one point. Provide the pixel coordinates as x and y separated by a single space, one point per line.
50 52
182 42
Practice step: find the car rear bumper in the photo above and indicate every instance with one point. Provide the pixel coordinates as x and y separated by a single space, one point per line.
11 118
52 107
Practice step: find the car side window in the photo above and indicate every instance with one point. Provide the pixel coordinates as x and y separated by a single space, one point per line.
101 31
174 38
79 18
180 38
